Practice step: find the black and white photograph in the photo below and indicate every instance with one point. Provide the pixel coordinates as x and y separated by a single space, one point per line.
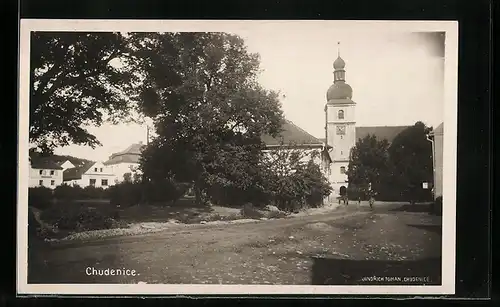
237 157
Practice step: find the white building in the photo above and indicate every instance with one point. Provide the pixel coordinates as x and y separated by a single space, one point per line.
437 153
126 161
66 165
89 174
44 172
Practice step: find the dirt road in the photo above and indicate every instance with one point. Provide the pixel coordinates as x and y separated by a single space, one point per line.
265 252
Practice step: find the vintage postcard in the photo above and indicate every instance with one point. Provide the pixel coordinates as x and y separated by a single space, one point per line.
237 157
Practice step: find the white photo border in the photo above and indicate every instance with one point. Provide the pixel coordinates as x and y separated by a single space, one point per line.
449 158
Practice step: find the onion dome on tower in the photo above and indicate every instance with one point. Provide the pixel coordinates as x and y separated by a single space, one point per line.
339 91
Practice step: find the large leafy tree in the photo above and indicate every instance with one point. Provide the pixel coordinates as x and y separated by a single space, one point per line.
201 91
78 79
292 178
411 159
369 162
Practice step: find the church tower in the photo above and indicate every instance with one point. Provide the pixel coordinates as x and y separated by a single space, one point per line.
340 127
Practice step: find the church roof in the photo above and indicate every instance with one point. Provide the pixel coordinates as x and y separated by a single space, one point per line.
338 91
380 132
339 63
291 134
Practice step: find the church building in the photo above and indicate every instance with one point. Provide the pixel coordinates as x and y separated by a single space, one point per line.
341 132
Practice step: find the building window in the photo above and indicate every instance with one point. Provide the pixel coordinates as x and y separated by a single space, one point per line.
101 169
52 182
340 130
104 182
341 114
52 173
95 169
342 169
40 172
40 182
92 182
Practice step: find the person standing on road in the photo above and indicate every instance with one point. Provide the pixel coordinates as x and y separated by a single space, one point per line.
371 196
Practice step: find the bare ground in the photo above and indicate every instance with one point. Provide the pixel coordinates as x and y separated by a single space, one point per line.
286 251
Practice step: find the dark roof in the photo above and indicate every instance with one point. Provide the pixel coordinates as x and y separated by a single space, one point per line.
130 155
291 134
77 172
63 158
380 132
44 163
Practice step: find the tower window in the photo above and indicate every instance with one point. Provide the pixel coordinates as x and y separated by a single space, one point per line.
342 169
341 114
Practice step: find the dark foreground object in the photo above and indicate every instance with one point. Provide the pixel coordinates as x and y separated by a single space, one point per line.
327 271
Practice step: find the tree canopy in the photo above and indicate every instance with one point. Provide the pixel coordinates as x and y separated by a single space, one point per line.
396 170
75 84
369 161
411 156
209 111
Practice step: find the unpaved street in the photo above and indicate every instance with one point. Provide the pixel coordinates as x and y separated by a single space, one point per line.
264 252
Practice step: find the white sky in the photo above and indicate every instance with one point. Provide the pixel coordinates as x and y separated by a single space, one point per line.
395 80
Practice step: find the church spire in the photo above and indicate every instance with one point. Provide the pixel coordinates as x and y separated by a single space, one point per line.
339 67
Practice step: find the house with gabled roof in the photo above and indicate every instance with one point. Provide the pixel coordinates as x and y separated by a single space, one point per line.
66 164
44 172
125 161
89 173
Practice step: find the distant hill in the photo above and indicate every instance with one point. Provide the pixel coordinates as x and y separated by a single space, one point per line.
62 158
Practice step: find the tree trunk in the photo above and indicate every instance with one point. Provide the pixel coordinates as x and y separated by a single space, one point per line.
199 199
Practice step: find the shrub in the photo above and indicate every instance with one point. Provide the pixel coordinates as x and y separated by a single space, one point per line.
306 186
40 197
125 194
163 191
76 217
133 193
91 192
33 224
67 192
